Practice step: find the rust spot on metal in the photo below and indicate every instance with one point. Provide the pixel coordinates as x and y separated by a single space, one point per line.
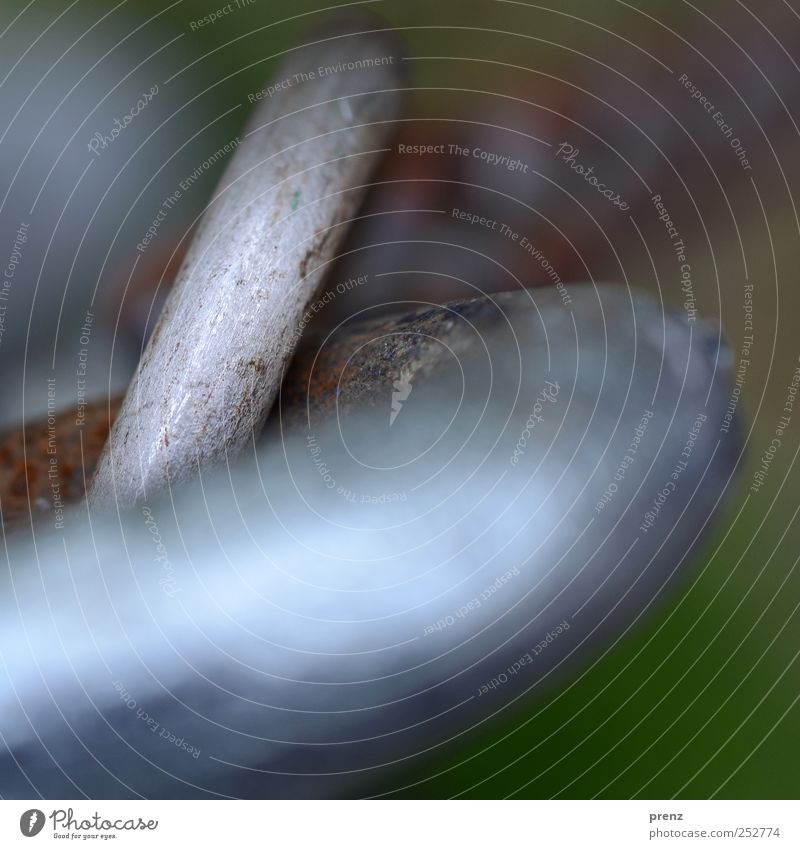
355 369
28 475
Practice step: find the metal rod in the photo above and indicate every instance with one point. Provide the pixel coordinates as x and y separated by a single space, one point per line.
211 370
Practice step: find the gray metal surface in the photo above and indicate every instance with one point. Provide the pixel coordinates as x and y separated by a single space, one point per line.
212 367
306 621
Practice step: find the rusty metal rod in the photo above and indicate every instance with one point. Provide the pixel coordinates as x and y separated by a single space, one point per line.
347 372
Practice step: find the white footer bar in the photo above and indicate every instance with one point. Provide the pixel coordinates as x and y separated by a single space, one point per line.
403 824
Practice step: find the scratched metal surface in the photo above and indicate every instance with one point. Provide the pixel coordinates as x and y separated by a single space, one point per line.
213 364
